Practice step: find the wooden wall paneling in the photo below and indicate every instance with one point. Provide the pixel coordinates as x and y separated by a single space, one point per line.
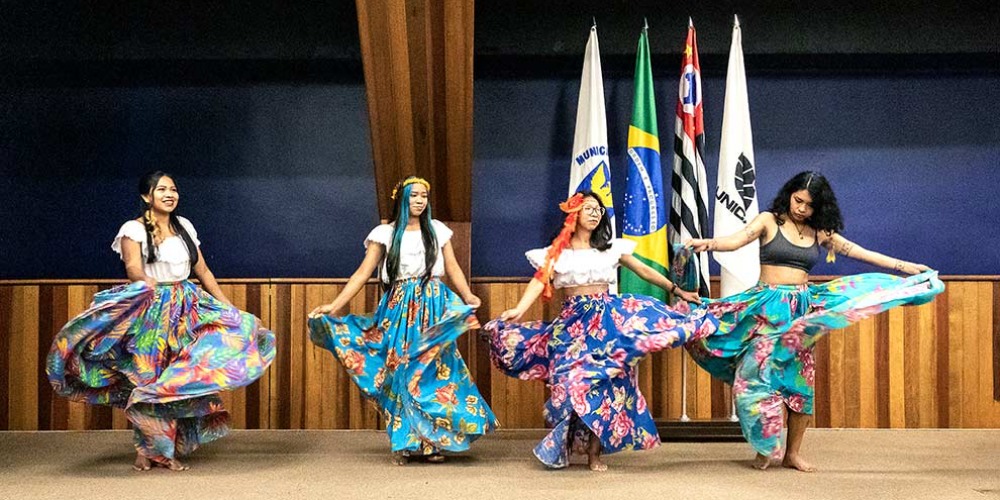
897 395
989 408
23 378
867 384
930 366
6 334
996 341
851 375
970 362
925 330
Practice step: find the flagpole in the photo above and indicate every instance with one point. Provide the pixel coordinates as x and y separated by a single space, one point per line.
684 388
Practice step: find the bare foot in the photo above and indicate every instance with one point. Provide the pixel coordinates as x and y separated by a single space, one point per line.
399 459
594 455
141 463
175 465
435 458
761 462
796 462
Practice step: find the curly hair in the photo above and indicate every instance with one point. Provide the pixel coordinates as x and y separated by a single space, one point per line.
826 212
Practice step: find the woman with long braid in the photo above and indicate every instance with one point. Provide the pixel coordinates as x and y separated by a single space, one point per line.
161 347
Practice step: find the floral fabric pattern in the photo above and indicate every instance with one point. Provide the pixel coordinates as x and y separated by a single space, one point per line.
764 344
587 357
404 358
162 354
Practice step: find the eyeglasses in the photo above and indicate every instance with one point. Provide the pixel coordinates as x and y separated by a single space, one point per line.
593 210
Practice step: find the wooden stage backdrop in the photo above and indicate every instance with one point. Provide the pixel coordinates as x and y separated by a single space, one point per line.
936 365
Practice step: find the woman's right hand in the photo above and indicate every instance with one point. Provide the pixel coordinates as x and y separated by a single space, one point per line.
699 244
323 310
511 315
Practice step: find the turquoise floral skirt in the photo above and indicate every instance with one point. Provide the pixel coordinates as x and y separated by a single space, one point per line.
405 359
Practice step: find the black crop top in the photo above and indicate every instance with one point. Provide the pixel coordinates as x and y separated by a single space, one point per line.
781 252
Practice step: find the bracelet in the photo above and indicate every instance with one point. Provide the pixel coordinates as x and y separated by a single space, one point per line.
673 288
899 265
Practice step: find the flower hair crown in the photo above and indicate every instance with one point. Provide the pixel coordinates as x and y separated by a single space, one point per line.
407 182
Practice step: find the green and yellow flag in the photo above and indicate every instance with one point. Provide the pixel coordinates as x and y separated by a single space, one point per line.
645 220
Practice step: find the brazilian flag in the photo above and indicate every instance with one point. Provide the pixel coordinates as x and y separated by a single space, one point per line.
645 220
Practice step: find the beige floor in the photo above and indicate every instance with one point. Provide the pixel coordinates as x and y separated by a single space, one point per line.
903 464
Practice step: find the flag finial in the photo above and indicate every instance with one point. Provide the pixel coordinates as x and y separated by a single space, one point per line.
645 24
690 22
736 21
595 22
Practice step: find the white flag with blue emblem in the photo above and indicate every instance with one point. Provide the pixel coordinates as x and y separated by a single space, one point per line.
589 170
736 196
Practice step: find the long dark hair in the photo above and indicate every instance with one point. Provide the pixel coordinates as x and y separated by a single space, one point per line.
826 212
400 218
600 238
147 183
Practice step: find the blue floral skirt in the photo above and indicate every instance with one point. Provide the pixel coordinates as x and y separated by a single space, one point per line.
764 344
588 356
404 358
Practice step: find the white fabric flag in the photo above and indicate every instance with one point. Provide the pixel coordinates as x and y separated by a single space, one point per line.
736 196
589 169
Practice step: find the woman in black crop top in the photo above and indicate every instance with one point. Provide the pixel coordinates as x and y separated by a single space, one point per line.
766 335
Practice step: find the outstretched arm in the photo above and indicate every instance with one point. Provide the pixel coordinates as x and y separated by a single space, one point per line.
457 277
373 257
756 229
848 248
531 294
649 274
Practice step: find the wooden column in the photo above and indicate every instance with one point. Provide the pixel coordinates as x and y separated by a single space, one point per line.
417 57
418 74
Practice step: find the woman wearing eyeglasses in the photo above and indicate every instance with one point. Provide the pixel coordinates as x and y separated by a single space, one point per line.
587 356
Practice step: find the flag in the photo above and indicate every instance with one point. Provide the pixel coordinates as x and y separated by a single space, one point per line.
689 200
736 196
645 220
589 170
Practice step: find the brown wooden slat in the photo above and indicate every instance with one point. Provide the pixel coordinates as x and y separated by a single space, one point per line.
996 342
23 381
821 401
59 413
46 314
6 333
943 388
882 369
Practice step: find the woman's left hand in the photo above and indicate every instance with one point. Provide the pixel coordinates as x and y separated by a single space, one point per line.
472 300
912 268
688 296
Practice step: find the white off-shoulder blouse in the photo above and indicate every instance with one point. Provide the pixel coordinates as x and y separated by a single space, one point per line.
172 260
588 266
411 253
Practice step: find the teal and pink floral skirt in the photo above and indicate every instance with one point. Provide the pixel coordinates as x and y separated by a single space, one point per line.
764 344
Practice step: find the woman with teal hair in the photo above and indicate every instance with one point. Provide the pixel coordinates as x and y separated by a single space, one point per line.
404 356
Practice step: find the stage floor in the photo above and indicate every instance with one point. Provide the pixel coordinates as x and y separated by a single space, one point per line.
903 464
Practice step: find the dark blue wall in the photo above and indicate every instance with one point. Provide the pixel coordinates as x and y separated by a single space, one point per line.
276 178
913 159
